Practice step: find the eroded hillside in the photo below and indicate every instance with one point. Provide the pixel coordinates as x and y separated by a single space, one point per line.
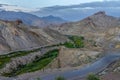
20 37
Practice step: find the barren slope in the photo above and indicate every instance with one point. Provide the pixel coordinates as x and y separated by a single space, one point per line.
18 37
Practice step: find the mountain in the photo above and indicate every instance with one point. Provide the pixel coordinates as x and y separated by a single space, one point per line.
27 18
71 12
13 12
53 19
99 27
15 36
99 21
81 11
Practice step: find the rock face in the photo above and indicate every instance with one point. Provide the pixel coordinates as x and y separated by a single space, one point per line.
18 37
73 58
98 27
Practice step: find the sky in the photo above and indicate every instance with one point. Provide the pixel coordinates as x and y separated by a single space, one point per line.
43 3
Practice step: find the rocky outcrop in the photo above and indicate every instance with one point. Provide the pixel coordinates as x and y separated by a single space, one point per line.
73 58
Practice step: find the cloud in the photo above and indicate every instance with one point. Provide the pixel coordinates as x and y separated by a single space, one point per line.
80 11
6 7
92 4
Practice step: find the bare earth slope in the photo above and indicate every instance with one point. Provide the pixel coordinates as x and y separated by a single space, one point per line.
18 37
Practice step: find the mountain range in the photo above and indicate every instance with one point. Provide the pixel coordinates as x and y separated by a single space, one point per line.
27 18
80 11
67 13
53 20
30 19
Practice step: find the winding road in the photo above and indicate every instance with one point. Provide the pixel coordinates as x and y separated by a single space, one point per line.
96 67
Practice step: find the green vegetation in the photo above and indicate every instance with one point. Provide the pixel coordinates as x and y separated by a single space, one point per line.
92 77
59 78
69 45
76 42
38 79
7 57
37 64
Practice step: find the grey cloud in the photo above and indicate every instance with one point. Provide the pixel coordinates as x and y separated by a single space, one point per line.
92 4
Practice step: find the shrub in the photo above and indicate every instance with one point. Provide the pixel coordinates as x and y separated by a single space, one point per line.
69 45
92 77
38 79
59 78
78 41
